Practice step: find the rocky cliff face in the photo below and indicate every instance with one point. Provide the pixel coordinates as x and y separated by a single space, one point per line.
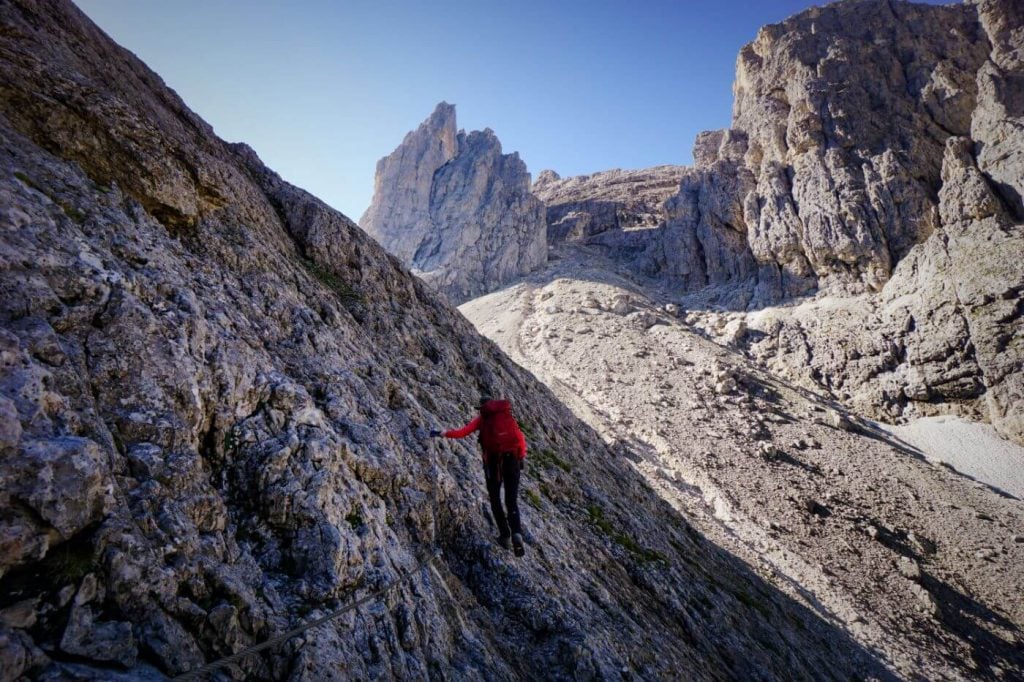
831 170
456 210
943 336
582 206
213 395
875 153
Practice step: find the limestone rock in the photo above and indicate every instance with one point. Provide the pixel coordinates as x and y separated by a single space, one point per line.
802 488
908 215
65 480
997 119
583 206
944 331
399 220
19 656
456 210
909 568
804 191
109 641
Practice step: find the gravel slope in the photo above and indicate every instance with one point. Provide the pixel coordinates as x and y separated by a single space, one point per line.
920 564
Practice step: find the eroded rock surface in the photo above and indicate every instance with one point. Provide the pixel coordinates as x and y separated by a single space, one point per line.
456 210
214 392
874 158
943 336
582 206
943 333
830 171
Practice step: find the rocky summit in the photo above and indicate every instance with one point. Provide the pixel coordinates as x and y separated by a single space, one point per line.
456 210
215 393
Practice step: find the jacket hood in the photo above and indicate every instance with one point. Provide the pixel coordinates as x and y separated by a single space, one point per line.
495 406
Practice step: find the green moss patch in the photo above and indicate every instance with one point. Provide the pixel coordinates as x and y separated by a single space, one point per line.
626 541
347 294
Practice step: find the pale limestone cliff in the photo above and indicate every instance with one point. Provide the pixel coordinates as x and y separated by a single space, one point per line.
582 206
875 155
456 210
830 171
919 201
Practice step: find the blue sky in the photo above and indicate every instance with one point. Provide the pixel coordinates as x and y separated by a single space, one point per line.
321 89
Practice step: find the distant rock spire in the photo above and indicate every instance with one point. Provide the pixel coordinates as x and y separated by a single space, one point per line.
456 210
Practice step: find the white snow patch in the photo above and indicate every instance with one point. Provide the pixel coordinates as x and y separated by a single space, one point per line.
970 447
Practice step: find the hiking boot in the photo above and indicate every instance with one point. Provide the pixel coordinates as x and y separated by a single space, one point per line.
517 544
505 542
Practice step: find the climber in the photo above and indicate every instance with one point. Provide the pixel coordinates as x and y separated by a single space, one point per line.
504 449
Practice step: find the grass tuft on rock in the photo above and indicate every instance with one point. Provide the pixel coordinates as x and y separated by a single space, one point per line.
626 541
347 294
547 459
533 499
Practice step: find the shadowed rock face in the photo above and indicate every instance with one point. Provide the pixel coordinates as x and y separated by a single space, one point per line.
456 210
214 391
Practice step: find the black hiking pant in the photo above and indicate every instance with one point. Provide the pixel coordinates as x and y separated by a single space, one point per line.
504 470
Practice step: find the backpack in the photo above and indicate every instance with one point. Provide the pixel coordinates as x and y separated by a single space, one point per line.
499 431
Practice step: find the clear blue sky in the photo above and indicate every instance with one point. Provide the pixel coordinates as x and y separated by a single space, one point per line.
321 89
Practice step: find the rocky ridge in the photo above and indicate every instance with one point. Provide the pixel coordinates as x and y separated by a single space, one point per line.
456 210
214 391
582 206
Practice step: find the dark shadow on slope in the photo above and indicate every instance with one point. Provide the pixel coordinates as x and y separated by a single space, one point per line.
657 570
785 458
963 615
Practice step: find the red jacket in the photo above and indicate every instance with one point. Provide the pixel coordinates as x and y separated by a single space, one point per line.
488 408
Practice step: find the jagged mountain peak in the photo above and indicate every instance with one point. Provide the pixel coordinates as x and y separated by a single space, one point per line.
457 210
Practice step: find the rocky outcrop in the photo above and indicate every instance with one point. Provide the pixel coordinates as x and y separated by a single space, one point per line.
945 333
998 117
214 395
456 210
875 152
830 172
582 206
399 217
